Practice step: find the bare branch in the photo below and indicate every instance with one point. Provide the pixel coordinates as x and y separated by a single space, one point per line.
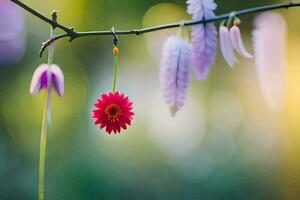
72 34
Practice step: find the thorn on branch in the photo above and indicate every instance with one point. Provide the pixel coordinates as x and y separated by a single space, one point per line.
72 34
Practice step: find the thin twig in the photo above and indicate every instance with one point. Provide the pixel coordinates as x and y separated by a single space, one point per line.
72 34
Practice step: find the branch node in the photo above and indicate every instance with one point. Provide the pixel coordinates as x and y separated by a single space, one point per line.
72 34
136 32
115 38
54 25
290 4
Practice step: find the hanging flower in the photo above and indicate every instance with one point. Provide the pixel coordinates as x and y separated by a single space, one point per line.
237 42
230 41
269 38
40 79
226 46
113 111
204 36
175 71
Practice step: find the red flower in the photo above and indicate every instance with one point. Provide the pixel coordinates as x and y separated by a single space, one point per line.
113 111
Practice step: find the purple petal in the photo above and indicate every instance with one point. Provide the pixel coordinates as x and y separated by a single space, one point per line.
237 42
199 8
57 79
39 79
204 37
175 71
269 38
226 46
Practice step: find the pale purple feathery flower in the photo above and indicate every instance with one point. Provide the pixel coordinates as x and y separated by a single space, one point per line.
175 71
204 36
269 38
40 79
237 42
226 46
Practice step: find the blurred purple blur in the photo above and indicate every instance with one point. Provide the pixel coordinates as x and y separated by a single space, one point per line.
11 33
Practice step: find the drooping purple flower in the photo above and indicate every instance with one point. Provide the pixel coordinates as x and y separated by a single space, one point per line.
269 38
204 36
175 71
237 42
40 79
11 32
226 46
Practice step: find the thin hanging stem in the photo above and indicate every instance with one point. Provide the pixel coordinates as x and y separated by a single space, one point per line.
230 19
43 150
49 76
45 121
116 64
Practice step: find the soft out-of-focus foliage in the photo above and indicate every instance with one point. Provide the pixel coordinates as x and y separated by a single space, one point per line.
225 143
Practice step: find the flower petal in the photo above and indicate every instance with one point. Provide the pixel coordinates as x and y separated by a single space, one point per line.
204 37
269 38
237 42
204 40
57 79
39 79
226 46
175 71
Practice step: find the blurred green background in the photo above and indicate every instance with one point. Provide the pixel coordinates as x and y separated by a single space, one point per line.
224 144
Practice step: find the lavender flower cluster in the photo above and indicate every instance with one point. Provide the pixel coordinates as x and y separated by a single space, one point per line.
179 56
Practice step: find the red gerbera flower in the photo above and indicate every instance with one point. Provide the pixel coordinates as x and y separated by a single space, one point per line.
113 111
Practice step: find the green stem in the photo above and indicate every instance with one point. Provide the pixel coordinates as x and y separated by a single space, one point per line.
230 19
182 32
45 121
116 63
43 149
